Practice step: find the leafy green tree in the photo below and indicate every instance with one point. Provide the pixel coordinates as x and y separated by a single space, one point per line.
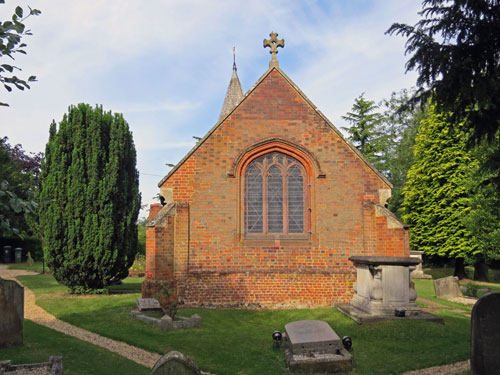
455 48
437 193
11 34
89 200
365 132
483 219
400 127
17 177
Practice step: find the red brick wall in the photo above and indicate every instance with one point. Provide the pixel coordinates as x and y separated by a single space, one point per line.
215 264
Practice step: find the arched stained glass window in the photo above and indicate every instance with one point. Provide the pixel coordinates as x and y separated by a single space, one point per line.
275 195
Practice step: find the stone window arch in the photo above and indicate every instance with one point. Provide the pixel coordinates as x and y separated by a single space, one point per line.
275 196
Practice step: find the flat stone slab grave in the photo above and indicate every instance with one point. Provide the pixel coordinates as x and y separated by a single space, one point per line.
313 346
362 317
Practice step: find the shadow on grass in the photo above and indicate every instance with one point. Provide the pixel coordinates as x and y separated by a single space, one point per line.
79 357
238 342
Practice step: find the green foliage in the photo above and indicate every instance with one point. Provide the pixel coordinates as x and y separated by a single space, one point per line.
30 262
365 132
471 289
18 177
166 294
89 200
455 49
437 193
483 220
400 127
141 237
11 33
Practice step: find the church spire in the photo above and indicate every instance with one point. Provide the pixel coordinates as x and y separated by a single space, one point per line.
234 93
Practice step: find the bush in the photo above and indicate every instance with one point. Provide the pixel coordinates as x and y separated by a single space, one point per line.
471 289
89 199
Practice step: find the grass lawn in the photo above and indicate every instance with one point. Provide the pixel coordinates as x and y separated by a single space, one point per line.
36 267
238 342
79 357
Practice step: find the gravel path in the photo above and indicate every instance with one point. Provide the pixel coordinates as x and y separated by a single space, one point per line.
454 368
35 313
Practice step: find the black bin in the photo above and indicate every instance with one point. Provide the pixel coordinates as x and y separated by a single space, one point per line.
18 252
7 254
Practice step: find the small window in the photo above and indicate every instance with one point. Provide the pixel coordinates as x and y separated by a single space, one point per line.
275 195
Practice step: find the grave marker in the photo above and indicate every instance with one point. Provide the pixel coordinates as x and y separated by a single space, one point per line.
447 287
175 363
313 346
11 313
148 304
485 335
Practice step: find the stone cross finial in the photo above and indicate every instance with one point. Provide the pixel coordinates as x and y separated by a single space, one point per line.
274 43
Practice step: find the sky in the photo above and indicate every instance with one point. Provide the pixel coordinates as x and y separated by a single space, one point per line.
166 64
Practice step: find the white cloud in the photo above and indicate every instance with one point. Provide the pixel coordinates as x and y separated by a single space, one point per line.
166 64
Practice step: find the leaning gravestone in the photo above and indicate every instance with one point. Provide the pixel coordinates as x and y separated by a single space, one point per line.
175 363
148 304
447 287
485 335
11 313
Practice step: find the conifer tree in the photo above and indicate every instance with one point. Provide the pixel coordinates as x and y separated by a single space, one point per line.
437 192
89 199
365 132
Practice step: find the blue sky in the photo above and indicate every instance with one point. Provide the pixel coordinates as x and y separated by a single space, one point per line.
166 64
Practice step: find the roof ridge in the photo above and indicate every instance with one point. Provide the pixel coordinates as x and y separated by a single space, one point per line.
308 101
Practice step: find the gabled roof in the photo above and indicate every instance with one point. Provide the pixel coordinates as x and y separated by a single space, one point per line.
247 94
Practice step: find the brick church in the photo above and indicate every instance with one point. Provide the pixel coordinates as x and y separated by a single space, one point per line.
267 207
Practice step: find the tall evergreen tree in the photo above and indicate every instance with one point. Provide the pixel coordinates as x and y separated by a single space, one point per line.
89 200
400 127
364 131
483 220
437 193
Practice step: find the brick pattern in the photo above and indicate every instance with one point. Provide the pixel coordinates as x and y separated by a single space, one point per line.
204 243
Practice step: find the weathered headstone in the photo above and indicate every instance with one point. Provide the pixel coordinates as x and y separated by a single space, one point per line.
485 335
11 313
447 287
147 304
175 363
418 272
313 346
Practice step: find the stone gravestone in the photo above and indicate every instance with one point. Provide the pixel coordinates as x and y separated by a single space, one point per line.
11 313
447 287
313 346
175 363
485 335
148 304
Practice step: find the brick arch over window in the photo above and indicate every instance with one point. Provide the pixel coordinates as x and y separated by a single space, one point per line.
275 186
277 144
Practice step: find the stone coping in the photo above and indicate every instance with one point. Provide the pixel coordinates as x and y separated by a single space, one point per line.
384 260
362 317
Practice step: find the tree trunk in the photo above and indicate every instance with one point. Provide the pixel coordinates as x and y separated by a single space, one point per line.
481 271
460 269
